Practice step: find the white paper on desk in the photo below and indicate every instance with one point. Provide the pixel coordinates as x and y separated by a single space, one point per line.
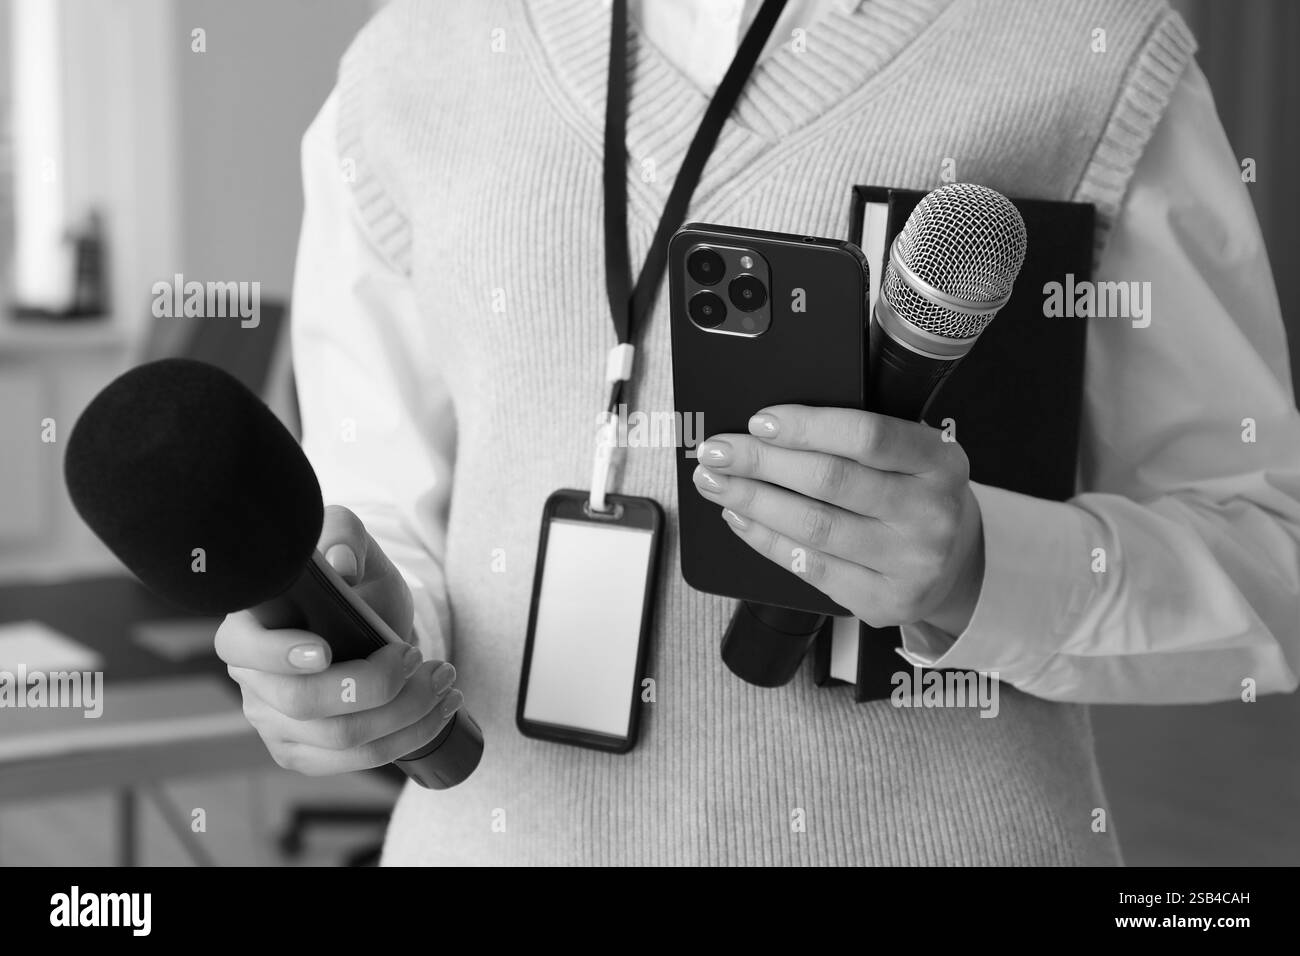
38 647
136 714
178 641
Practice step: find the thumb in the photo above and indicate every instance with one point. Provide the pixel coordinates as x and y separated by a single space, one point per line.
362 565
343 541
343 560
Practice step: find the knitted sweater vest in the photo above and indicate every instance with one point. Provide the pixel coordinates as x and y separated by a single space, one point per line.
475 134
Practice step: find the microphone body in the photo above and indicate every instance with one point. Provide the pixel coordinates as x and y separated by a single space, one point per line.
177 460
902 382
765 644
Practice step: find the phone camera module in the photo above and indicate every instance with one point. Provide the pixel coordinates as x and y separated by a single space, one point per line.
747 293
706 266
707 309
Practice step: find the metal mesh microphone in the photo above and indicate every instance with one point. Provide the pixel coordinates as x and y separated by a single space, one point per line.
950 270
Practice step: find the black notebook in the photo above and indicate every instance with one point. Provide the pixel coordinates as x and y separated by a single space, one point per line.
1015 398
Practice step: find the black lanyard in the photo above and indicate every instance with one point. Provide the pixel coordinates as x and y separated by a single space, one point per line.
629 306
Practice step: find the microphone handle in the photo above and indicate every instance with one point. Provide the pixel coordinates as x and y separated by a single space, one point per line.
764 644
902 382
327 606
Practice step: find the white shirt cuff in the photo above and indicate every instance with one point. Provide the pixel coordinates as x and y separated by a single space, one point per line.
1037 581
430 629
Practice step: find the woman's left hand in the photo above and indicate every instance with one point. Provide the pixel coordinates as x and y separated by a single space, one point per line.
875 512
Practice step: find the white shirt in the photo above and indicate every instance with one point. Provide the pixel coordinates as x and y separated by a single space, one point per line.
1199 529
700 37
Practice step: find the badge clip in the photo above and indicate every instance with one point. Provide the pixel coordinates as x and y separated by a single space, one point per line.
618 368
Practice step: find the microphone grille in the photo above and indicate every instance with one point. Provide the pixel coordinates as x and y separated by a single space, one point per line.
966 241
178 455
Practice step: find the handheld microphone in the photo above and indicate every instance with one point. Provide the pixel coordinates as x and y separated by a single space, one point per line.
950 270
204 495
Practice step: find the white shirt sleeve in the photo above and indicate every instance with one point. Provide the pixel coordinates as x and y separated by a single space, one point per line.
1190 468
378 424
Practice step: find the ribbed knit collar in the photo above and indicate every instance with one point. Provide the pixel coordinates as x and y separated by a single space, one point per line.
845 48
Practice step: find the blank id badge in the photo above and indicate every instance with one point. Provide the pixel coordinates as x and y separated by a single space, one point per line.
589 621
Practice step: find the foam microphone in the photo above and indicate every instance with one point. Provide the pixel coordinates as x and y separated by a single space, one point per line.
205 496
950 270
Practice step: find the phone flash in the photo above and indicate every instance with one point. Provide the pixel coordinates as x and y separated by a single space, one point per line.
746 262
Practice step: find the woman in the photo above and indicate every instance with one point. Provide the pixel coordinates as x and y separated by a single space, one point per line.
450 332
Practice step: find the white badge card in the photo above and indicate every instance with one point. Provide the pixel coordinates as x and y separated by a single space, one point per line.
589 621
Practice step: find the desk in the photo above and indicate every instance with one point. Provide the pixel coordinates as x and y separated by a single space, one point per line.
162 719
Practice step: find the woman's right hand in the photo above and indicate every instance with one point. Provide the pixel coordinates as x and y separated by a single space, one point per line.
320 718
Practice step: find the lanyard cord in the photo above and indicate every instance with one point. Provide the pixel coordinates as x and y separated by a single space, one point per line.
629 306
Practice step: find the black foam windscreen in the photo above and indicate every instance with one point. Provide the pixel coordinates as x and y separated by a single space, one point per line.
195 485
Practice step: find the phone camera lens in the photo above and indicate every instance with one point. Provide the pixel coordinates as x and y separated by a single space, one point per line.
706 266
747 293
707 309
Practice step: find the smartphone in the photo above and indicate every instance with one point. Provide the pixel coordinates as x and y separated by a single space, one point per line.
589 621
758 319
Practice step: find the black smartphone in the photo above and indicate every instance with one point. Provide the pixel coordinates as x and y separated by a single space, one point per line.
758 318
589 621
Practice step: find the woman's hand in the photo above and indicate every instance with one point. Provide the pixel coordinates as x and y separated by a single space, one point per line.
875 512
317 717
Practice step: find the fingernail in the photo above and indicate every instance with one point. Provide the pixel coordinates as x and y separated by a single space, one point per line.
764 426
411 661
451 703
715 452
735 520
444 675
308 657
342 560
707 481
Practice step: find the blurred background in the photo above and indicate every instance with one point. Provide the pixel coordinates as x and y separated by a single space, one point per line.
142 140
